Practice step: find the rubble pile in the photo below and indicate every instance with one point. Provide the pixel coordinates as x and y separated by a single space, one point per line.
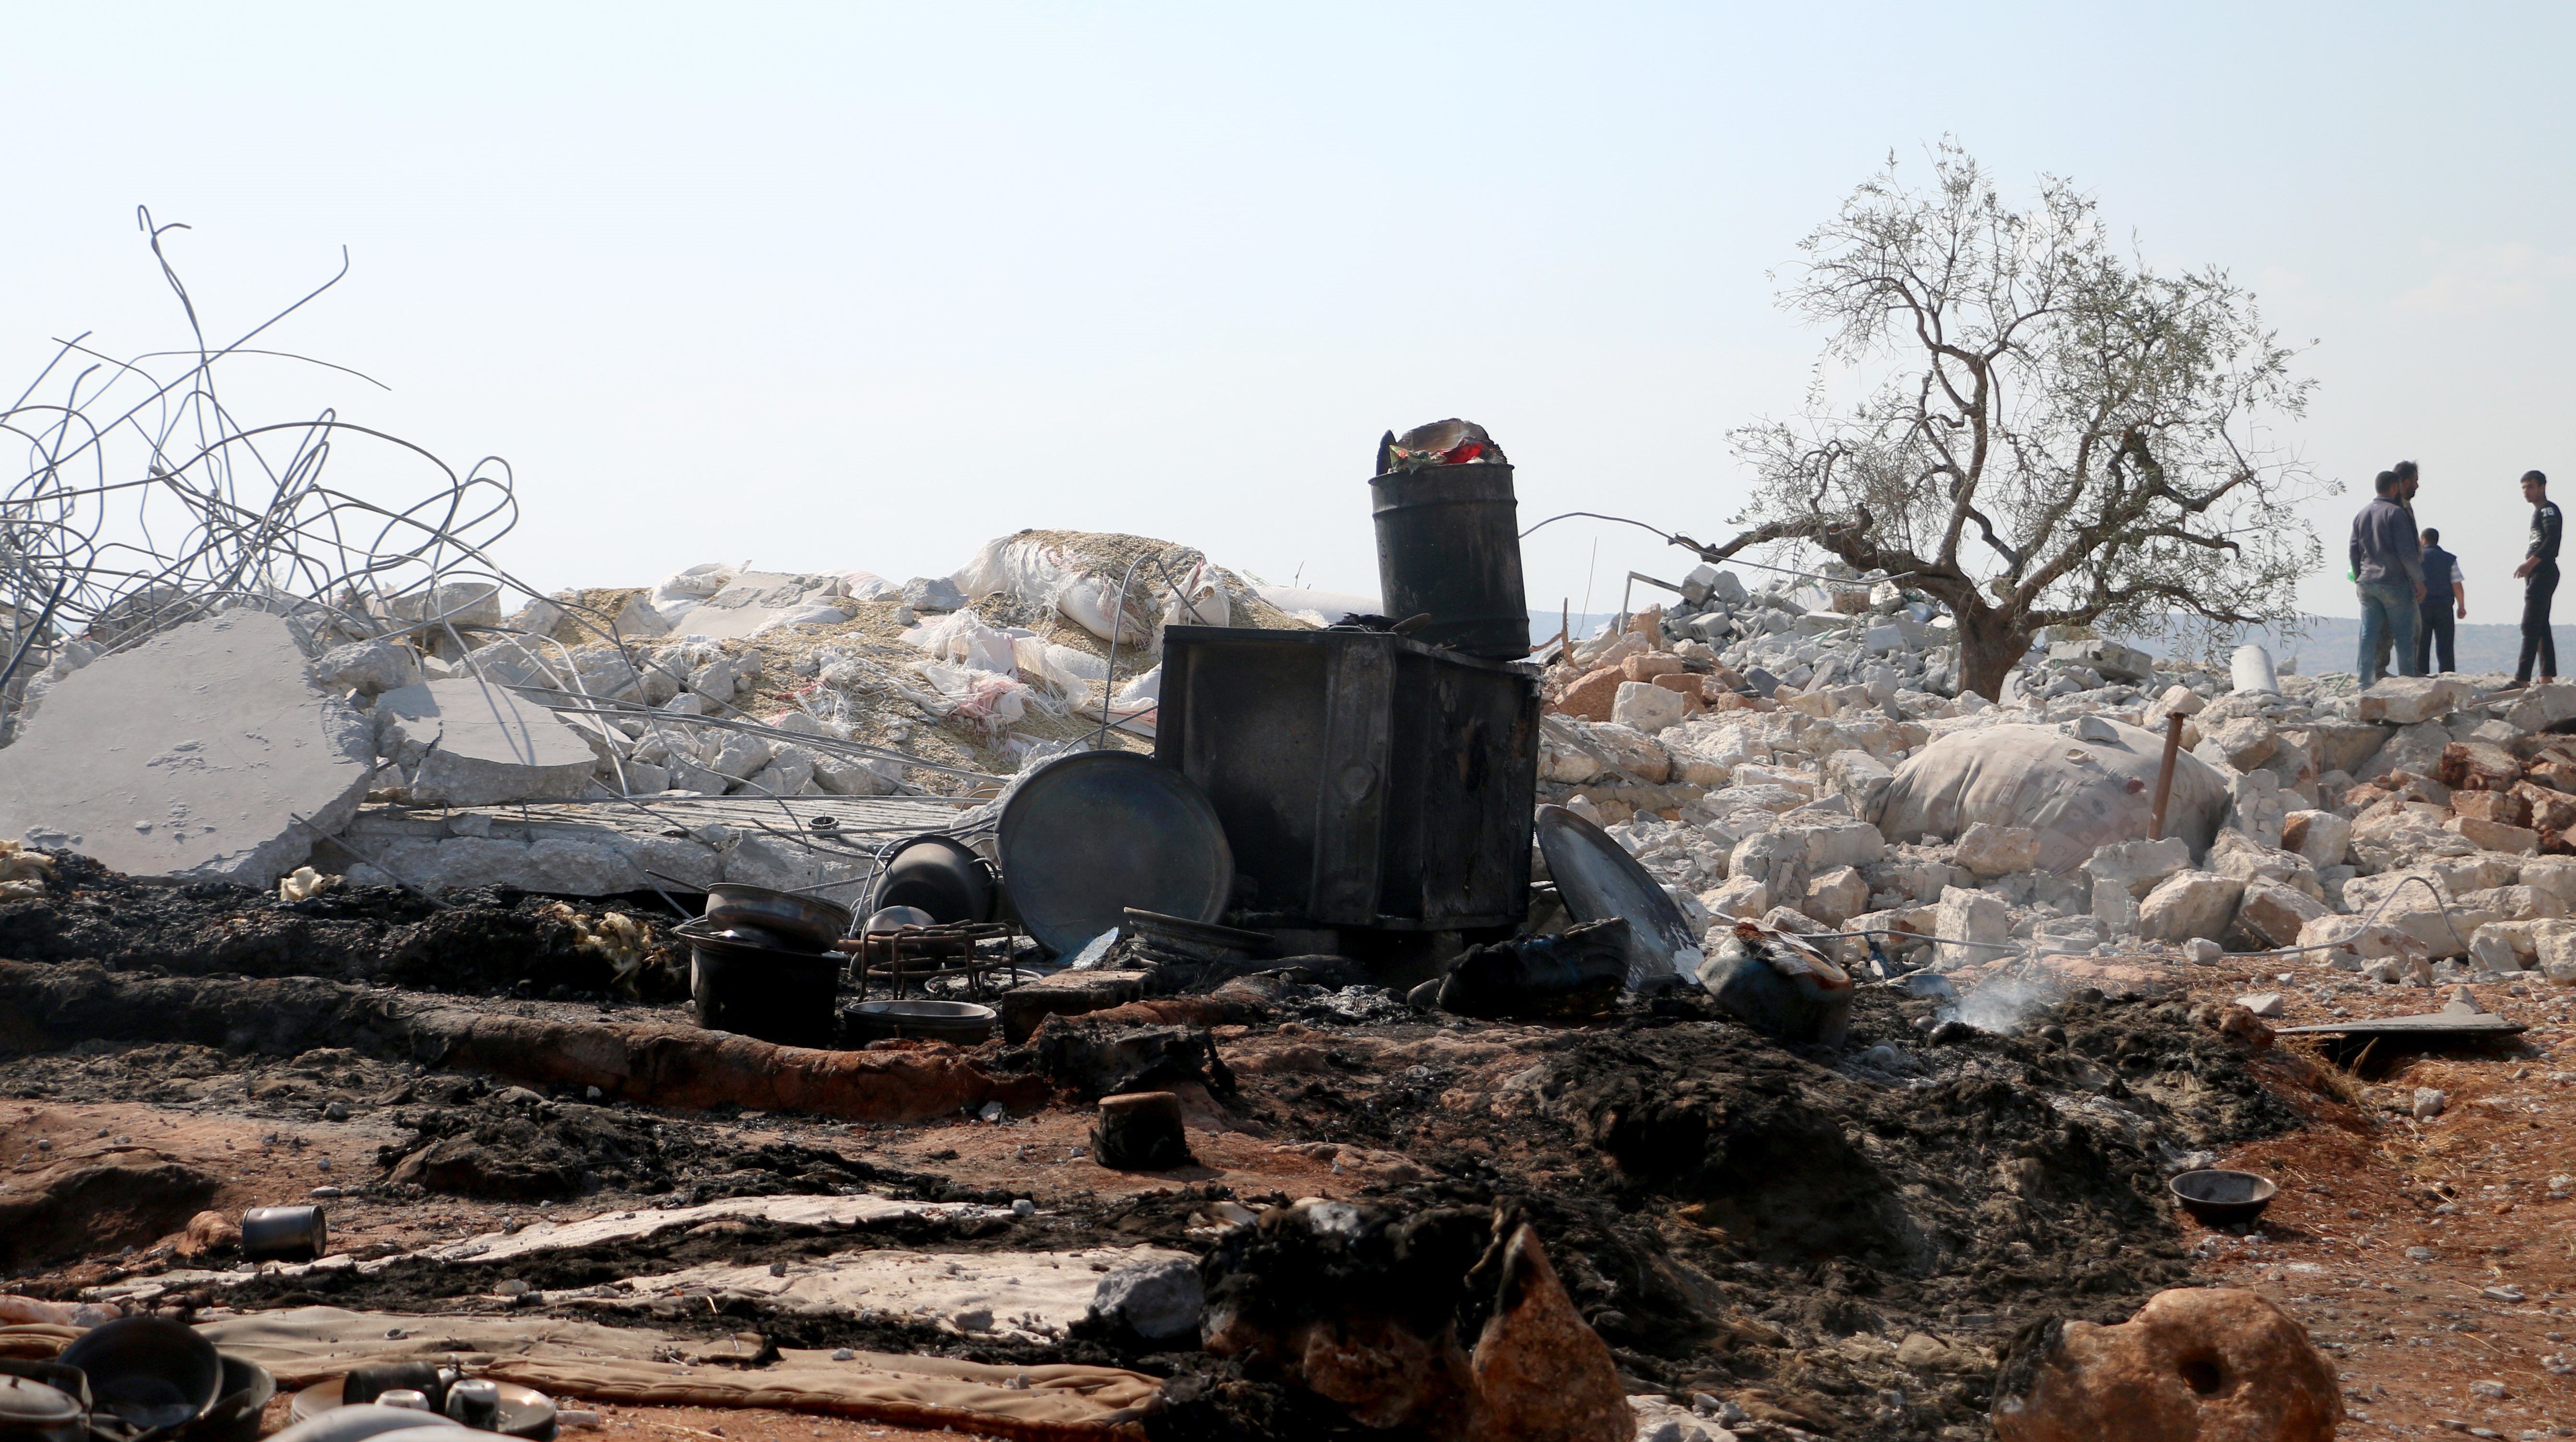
2414 832
1828 1075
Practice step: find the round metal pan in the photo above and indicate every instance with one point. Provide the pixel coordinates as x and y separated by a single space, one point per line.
1599 880
1097 832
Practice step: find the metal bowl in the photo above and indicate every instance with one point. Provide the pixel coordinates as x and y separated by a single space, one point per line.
235 1417
806 923
959 1023
2220 1198
152 1373
938 874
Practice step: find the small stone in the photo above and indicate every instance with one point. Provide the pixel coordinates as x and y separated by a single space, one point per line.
2429 1103
2419 1254
1158 1301
2490 1391
2201 951
843 1354
336 1112
1023 1207
2263 1003
323 1194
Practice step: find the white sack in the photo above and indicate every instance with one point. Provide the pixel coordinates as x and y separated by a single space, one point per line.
1044 575
2078 795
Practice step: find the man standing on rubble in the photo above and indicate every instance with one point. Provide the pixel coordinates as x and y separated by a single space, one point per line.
2409 480
2388 572
2443 590
2539 573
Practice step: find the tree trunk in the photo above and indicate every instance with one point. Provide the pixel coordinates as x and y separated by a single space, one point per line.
1990 645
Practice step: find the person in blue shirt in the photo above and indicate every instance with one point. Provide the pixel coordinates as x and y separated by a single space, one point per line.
2445 595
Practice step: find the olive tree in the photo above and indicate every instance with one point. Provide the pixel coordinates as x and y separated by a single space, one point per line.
2047 431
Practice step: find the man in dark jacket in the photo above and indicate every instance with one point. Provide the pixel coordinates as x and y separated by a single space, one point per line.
2409 480
2388 572
2539 572
2443 591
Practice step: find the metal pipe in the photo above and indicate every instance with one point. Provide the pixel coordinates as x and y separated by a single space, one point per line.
2164 774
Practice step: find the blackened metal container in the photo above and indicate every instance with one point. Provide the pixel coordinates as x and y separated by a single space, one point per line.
1448 543
284 1234
1363 779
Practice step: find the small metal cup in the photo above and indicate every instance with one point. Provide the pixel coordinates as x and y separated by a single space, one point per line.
284 1234
409 1398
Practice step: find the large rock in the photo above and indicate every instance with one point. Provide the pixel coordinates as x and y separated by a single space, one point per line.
1990 850
2190 904
2509 807
1837 896
2274 913
2553 874
2441 923
2115 661
2344 746
2321 836
2244 743
465 742
2257 805
2542 707
1593 695
190 757
1966 916
1158 1299
2495 835
2199 1364
2415 750
369 668
1647 707
2516 903
2348 943
1541 1374
1837 843
2477 766
2242 857
2544 808
1862 777
2138 866
2406 700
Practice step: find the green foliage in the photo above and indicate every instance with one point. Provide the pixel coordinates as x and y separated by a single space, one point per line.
2049 432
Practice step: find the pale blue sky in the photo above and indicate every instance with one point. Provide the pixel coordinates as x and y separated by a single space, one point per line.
859 286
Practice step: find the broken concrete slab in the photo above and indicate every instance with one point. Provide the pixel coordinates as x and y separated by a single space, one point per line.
1003 1296
843 1213
607 847
190 757
467 742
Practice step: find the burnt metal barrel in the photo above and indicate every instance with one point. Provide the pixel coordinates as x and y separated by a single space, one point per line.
1448 543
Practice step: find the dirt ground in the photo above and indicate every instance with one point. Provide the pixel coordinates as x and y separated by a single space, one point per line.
1829 1243
2427 1256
